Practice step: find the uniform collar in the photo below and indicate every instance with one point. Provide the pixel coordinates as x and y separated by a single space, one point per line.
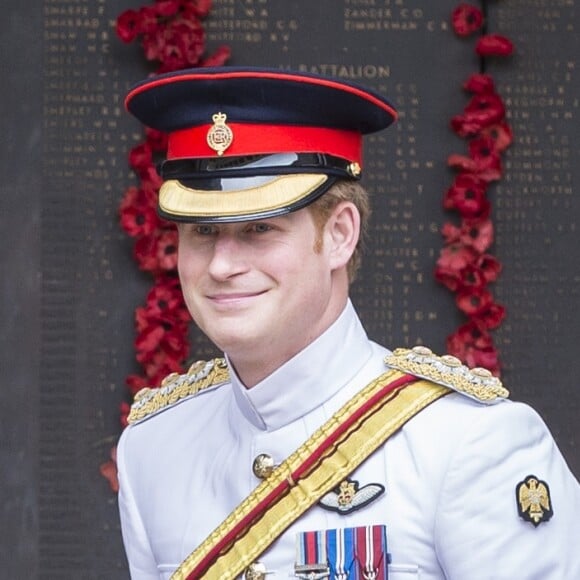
310 378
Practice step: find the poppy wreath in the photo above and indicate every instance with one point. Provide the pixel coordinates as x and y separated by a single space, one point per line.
465 265
172 37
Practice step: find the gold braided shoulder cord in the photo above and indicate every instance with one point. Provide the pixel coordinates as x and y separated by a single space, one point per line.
354 446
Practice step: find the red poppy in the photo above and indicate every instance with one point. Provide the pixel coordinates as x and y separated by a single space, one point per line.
467 195
471 277
501 135
135 383
152 46
138 212
139 220
147 317
455 256
128 26
168 356
481 148
488 160
167 7
491 317
129 197
140 157
172 59
449 278
162 300
161 365
465 126
148 20
167 249
477 234
474 347
199 8
191 34
479 84
109 470
151 180
175 345
490 267
488 108
138 197
143 318
157 140
450 232
466 19
471 301
163 337
218 58
124 410
145 252
483 110
473 356
454 280
148 341
488 168
474 335
181 44
494 45
473 233
486 358
166 299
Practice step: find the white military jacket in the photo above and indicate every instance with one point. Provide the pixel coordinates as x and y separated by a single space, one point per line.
449 475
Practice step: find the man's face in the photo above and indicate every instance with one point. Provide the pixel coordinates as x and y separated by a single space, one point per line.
261 288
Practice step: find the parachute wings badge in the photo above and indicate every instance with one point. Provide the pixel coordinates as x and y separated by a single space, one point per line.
347 497
533 499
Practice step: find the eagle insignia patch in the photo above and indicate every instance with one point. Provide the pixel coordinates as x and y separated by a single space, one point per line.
348 497
533 500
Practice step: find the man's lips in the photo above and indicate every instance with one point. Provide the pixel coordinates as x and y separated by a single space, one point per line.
230 297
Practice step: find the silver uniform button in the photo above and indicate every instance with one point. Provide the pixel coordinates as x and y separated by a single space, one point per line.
255 571
263 466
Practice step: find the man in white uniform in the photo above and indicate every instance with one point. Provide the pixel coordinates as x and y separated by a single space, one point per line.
450 481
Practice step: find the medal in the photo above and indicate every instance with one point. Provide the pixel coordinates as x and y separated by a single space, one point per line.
311 558
342 554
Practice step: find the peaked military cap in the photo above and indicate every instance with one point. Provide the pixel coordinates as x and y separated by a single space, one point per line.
249 143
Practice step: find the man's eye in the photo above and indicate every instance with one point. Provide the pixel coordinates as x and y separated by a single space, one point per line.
261 228
205 230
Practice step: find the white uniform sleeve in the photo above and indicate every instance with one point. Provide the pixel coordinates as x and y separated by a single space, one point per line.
142 563
479 532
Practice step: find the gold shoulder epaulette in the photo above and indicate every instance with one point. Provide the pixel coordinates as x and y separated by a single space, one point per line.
477 383
175 387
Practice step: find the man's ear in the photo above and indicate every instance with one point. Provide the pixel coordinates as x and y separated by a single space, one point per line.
342 233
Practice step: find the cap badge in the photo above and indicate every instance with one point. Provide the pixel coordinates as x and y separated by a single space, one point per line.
347 497
220 136
533 499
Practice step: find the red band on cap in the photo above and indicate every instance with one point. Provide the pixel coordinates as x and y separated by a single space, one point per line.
253 139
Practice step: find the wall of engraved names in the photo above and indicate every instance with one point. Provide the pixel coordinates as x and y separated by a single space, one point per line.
86 285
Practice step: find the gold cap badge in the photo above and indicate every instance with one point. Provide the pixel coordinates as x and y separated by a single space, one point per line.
533 499
220 136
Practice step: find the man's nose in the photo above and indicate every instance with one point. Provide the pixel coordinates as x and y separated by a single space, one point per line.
228 257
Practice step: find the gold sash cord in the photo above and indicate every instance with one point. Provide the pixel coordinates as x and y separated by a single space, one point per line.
333 452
